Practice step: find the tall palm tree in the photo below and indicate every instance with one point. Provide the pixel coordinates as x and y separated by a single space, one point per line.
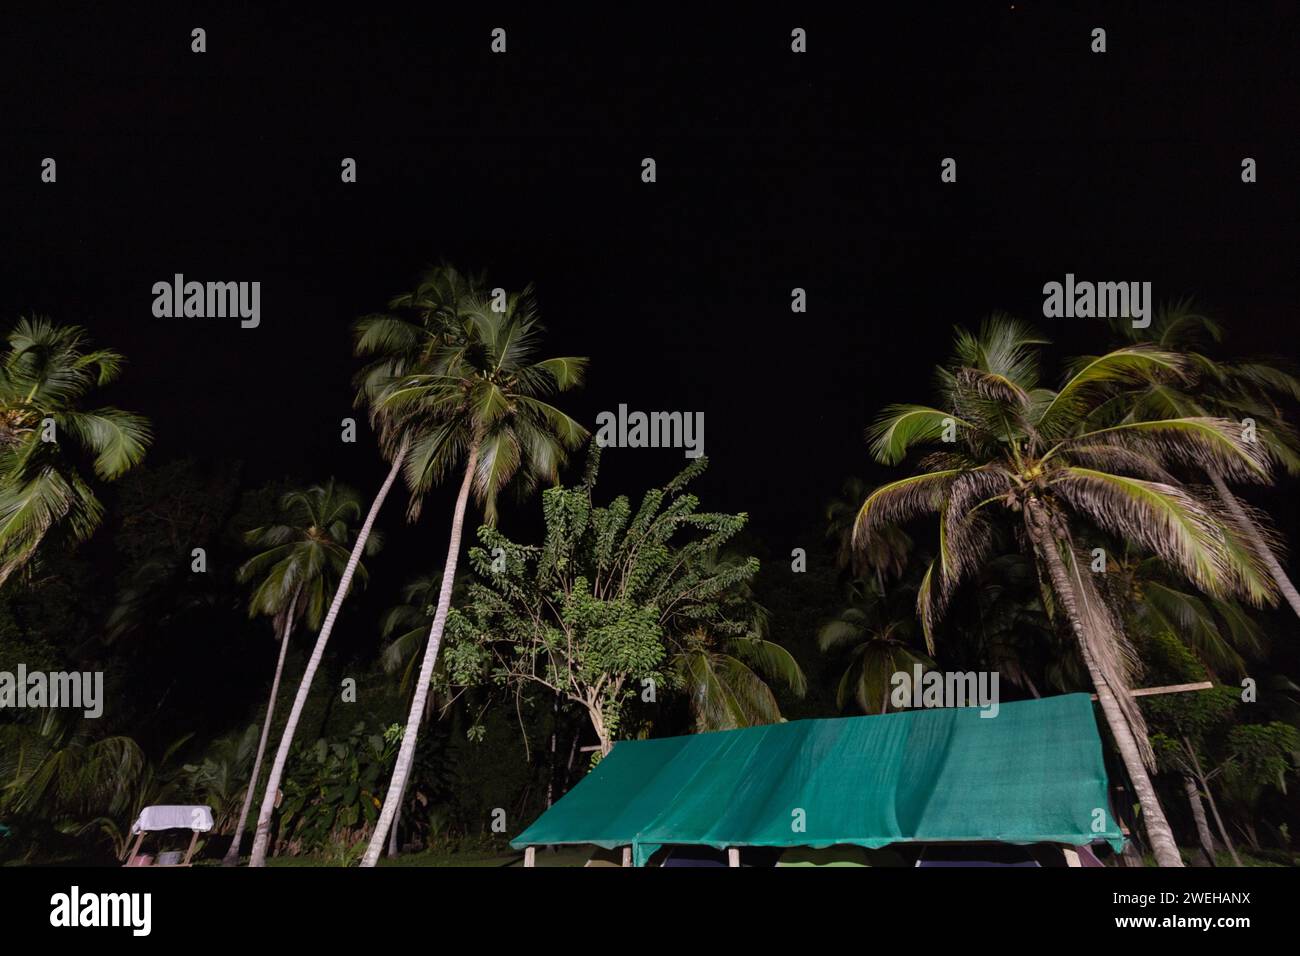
46 375
406 628
1234 390
393 345
1007 445
878 636
479 400
296 573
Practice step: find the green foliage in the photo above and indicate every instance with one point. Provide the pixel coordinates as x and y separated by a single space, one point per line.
218 779
1262 756
46 375
875 632
303 555
617 600
459 374
1000 440
331 792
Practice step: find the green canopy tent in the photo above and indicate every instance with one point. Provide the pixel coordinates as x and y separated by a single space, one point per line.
1032 773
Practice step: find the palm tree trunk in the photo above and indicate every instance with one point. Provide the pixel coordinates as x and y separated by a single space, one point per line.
1157 827
1198 815
232 854
406 753
1252 531
263 834
392 831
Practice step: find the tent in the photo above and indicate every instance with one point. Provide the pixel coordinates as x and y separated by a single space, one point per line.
196 818
1032 773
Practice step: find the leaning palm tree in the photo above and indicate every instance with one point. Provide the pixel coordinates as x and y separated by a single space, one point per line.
879 638
1246 392
479 402
297 571
393 345
1005 445
46 376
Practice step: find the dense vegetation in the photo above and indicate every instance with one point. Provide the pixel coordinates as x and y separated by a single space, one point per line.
1085 528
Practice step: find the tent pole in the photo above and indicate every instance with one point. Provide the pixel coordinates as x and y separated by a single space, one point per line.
530 856
130 854
190 852
627 856
733 856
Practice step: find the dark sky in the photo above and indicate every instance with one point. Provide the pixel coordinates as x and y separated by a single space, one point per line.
774 171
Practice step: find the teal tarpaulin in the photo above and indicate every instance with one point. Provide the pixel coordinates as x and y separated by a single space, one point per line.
1032 773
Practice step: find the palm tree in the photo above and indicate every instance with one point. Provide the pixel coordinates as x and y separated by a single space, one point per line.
725 675
878 636
1007 445
885 555
1208 636
1216 630
479 402
45 377
406 628
1242 392
53 769
297 572
726 679
394 345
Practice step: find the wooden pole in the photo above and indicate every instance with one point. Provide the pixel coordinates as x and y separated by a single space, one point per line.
530 856
733 856
190 852
130 854
1168 689
627 856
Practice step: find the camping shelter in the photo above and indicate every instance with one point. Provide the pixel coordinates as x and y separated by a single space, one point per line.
197 819
1032 773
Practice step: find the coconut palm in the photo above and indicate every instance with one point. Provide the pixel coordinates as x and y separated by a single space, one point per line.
392 344
53 768
46 376
479 402
885 554
878 635
1245 392
296 573
1216 630
1006 445
725 675
406 628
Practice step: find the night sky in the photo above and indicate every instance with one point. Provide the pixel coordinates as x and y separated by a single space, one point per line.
775 170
